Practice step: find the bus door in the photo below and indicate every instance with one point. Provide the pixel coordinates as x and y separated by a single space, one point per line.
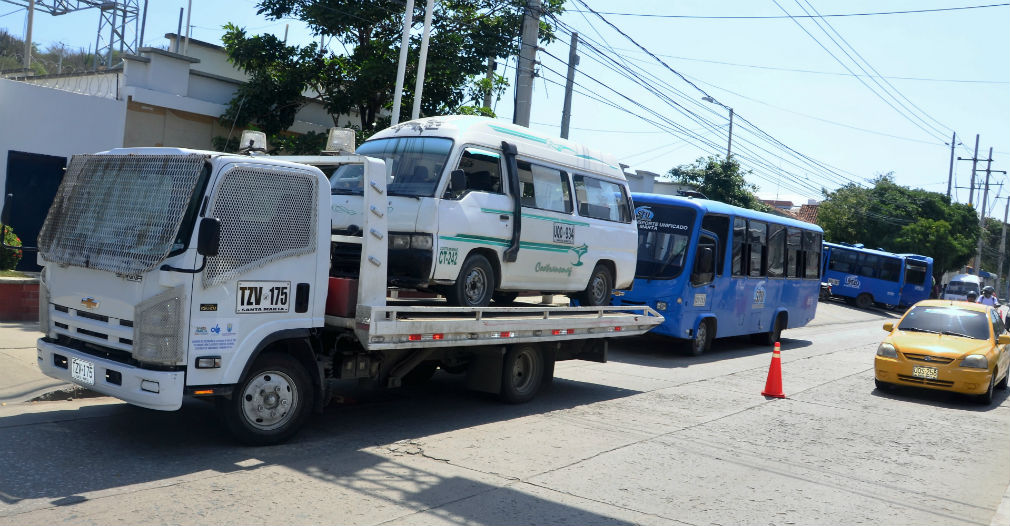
916 286
702 287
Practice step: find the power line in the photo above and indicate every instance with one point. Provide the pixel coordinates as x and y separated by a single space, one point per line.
776 17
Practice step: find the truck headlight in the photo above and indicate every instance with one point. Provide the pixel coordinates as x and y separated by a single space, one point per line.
158 324
975 361
886 350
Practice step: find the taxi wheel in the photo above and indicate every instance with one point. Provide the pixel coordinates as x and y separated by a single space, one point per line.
986 397
1003 383
882 386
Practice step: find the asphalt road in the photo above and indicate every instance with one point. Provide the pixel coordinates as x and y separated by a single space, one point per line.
653 437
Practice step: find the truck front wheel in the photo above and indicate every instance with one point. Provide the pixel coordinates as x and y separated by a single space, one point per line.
271 403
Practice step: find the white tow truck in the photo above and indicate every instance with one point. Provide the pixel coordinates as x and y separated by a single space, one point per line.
172 272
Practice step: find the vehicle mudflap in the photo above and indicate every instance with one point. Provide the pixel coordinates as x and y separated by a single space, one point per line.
484 373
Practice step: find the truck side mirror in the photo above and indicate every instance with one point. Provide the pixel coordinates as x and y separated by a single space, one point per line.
210 237
457 182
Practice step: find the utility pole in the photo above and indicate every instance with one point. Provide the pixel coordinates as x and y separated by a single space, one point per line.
573 60
981 222
974 162
422 60
189 28
1002 243
524 69
28 34
729 145
950 171
491 65
401 68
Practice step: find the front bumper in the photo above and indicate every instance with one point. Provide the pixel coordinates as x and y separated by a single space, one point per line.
949 377
116 379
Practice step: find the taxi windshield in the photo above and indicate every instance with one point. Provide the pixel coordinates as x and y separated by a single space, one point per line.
947 320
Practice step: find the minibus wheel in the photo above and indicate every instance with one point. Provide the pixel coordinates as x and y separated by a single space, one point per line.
702 340
864 301
475 284
599 288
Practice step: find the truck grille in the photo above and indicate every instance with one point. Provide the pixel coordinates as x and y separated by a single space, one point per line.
97 329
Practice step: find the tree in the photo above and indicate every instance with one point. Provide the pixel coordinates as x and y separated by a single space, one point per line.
464 34
900 219
719 180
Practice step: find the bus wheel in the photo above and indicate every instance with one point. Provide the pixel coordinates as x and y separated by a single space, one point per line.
271 403
702 341
475 284
864 301
599 288
522 373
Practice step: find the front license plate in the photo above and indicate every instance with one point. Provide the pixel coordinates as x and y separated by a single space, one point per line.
83 371
930 373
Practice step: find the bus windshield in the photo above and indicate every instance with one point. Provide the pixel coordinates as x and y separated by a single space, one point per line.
413 166
663 236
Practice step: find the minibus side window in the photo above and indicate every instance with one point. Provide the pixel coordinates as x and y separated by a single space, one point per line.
601 199
483 171
719 225
739 243
544 188
776 251
757 239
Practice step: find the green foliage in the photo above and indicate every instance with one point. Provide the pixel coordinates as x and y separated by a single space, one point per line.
57 58
719 180
464 34
901 219
9 257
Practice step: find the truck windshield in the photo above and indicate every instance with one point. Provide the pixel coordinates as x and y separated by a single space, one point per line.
413 166
962 287
122 213
663 236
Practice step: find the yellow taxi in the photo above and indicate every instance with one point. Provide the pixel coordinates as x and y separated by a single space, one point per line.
947 345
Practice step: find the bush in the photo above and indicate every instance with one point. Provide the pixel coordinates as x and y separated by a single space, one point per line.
9 257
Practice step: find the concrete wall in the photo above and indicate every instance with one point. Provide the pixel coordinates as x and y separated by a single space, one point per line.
37 119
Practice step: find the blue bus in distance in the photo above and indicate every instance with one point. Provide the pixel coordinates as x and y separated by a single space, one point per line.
715 270
865 276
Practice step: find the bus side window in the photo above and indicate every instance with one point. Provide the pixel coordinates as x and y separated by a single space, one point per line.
720 226
757 239
776 250
812 257
793 245
739 240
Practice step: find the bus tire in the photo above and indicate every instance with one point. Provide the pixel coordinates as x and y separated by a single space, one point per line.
475 284
271 403
522 373
599 288
864 301
702 341
774 333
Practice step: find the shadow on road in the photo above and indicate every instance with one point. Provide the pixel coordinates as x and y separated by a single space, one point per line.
668 353
945 399
57 458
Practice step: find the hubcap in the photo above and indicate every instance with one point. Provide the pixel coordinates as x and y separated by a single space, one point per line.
269 400
599 289
475 286
523 372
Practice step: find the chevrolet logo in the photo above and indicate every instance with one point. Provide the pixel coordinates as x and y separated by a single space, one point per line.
927 358
89 303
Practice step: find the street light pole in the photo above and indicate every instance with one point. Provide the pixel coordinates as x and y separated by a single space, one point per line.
729 143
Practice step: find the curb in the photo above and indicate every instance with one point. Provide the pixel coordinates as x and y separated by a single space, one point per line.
1002 516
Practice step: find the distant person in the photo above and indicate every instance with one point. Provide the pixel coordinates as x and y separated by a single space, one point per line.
972 296
988 296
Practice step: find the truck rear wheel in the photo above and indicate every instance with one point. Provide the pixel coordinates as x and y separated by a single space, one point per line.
271 403
522 373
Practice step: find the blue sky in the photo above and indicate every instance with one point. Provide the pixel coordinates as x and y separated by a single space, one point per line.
778 79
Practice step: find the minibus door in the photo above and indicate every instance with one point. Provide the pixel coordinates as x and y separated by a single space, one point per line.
703 273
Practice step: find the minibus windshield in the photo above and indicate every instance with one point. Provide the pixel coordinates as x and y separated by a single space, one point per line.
664 233
414 166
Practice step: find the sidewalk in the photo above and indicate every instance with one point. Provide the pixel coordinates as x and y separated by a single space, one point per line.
20 378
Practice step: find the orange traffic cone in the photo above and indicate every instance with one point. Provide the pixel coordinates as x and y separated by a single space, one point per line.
773 386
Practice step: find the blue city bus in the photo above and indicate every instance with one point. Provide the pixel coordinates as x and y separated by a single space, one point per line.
865 276
715 270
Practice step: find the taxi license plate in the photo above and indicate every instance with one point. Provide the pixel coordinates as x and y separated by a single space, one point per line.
930 373
83 371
